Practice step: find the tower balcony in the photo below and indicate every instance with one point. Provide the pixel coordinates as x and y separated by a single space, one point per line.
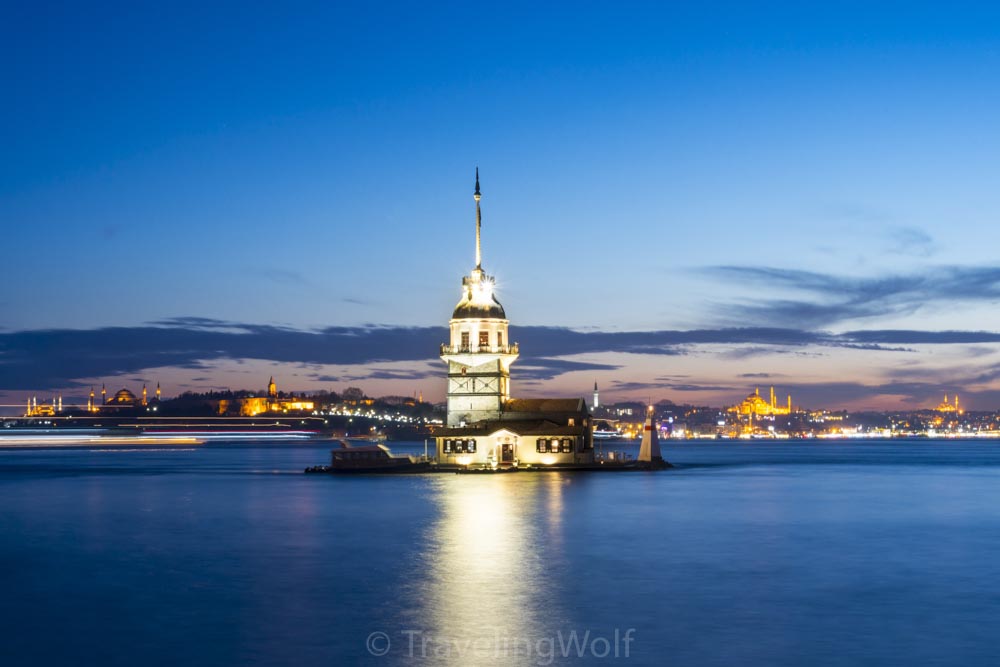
478 349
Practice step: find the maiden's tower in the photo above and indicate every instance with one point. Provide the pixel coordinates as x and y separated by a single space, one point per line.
485 426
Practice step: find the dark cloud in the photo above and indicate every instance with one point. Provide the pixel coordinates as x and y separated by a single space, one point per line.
55 358
910 337
674 386
546 369
639 386
830 299
702 387
758 350
383 374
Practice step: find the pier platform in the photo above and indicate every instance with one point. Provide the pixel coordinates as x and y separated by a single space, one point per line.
425 467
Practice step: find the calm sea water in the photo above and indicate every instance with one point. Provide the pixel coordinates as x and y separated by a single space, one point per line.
868 553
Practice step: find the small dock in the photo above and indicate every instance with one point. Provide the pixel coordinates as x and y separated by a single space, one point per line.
432 467
378 460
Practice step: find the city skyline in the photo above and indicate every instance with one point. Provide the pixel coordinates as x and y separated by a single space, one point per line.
678 203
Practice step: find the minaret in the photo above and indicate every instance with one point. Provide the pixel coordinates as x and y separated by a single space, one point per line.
956 402
597 401
789 404
479 353
649 450
90 401
59 404
774 403
144 394
104 395
157 392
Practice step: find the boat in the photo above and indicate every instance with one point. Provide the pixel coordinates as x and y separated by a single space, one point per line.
347 459
605 431
376 438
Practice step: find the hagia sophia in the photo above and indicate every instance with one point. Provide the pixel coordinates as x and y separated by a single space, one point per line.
123 398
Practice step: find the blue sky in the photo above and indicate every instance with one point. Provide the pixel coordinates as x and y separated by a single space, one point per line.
818 168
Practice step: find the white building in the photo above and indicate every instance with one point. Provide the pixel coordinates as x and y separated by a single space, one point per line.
485 426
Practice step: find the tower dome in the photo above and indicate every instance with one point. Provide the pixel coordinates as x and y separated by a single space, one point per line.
478 299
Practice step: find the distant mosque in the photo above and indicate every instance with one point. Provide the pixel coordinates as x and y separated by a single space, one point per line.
754 404
945 406
36 409
123 398
485 426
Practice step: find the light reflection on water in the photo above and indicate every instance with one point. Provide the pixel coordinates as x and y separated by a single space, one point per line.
790 554
487 595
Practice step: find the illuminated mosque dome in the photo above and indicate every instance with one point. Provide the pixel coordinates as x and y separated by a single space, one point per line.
945 406
124 397
754 404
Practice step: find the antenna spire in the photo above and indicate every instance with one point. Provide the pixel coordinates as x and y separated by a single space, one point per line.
479 224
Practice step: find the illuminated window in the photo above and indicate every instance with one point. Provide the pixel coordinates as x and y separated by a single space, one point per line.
543 446
447 446
470 446
465 339
567 446
484 338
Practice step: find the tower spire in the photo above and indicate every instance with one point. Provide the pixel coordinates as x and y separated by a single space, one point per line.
479 223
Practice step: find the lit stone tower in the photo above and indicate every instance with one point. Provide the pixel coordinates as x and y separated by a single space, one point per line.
597 398
479 354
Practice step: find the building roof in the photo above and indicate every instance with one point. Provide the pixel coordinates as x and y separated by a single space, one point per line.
517 426
535 405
